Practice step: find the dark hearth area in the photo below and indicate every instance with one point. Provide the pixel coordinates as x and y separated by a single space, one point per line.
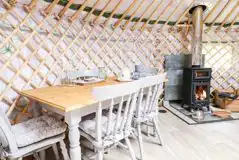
196 88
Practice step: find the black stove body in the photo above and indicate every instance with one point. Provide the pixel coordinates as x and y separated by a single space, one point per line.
196 88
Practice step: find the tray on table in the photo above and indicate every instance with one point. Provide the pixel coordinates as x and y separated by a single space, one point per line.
86 81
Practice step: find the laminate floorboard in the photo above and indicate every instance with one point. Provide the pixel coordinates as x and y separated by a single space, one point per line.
211 141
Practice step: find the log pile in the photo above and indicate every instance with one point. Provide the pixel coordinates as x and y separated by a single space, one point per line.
227 99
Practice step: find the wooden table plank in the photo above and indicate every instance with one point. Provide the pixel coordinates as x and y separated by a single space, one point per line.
66 98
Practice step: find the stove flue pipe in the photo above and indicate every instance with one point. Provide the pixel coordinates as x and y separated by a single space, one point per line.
197 24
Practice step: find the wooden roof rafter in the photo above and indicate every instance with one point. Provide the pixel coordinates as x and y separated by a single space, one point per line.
233 22
124 14
228 16
101 13
49 8
182 16
86 18
218 15
62 12
30 6
212 10
142 16
150 17
164 10
9 4
112 13
171 15
132 15
77 13
138 15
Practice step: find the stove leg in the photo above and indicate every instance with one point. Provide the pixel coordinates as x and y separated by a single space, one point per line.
182 104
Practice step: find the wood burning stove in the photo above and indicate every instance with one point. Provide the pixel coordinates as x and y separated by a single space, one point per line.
196 79
196 88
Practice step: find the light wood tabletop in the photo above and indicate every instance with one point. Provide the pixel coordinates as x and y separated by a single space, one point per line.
66 98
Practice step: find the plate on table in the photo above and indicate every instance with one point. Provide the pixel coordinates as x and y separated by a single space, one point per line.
88 80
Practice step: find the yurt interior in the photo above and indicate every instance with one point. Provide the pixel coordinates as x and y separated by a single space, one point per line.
119 79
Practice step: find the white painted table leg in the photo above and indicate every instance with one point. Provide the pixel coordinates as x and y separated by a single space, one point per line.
74 138
100 155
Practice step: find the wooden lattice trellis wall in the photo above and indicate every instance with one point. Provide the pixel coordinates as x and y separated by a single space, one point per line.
35 49
221 53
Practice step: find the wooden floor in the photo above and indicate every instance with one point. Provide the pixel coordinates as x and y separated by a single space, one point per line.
212 141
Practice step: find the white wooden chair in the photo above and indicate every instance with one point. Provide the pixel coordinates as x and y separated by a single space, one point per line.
31 137
111 124
147 106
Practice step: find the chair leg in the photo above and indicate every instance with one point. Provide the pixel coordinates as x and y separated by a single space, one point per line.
148 134
42 155
154 132
55 150
36 156
140 140
64 150
132 154
157 130
100 154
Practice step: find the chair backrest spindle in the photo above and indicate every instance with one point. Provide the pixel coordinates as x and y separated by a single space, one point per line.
118 115
109 126
131 110
116 120
150 88
126 111
98 126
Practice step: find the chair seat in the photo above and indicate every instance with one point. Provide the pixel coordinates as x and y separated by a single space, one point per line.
88 126
37 129
36 147
143 117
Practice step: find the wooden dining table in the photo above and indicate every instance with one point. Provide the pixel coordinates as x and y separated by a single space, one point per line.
72 102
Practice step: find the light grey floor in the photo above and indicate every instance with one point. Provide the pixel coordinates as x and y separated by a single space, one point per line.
213 141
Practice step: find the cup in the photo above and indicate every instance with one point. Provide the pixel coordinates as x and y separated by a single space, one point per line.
126 75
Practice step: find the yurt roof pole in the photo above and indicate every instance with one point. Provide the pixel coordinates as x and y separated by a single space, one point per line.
30 6
228 16
132 15
62 12
102 12
149 18
112 13
142 16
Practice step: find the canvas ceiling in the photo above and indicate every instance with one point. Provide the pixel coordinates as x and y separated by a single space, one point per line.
218 11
